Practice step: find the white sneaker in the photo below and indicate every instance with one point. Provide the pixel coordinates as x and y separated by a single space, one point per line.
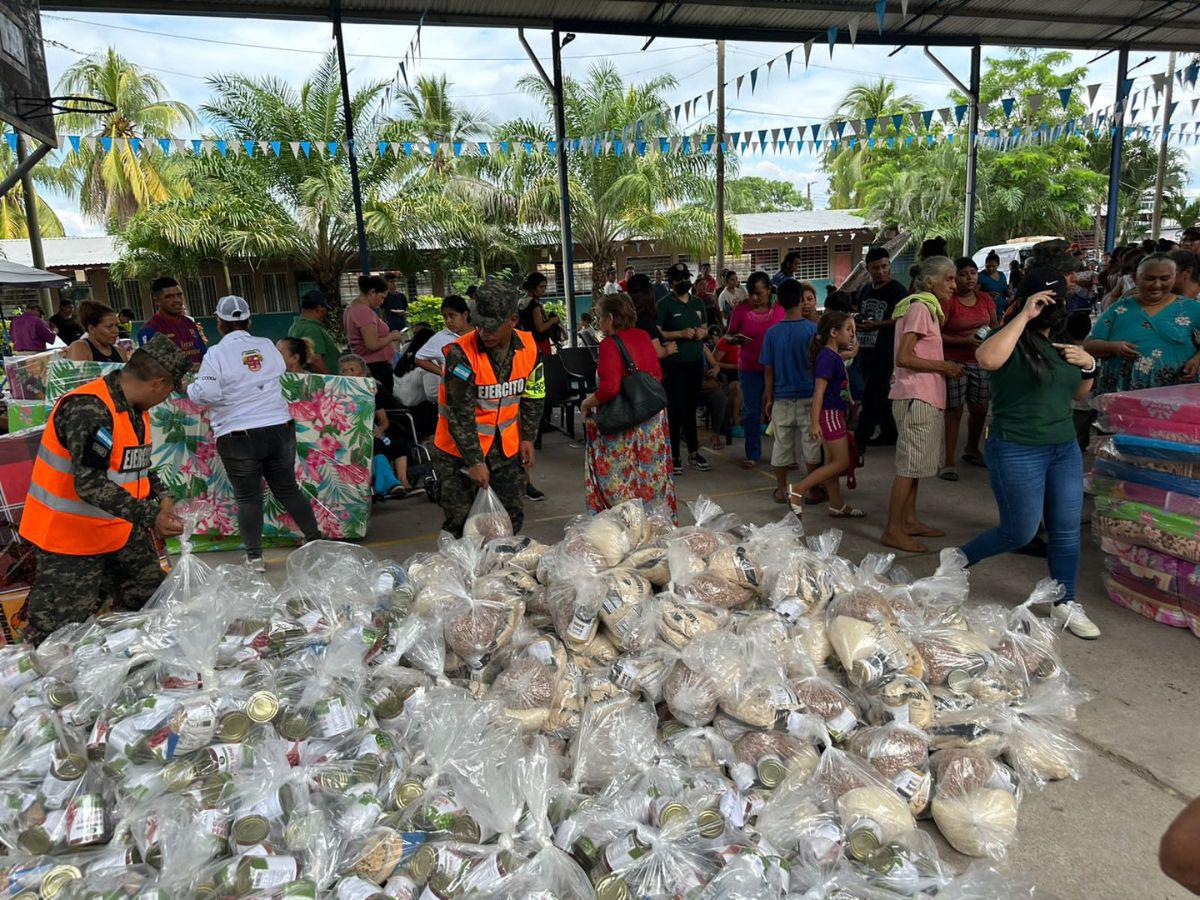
1071 615
255 563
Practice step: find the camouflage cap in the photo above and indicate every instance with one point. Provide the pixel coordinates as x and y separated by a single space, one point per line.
1056 254
495 304
161 349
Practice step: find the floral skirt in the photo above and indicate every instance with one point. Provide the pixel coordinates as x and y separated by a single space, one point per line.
635 464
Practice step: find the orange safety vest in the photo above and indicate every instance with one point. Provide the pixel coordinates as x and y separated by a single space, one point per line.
55 518
498 403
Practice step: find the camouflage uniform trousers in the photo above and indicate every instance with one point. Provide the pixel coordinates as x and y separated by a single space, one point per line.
71 588
458 491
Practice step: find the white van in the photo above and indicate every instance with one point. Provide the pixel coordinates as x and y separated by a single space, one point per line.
1018 249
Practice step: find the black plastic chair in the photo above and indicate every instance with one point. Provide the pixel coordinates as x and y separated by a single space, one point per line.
580 365
561 393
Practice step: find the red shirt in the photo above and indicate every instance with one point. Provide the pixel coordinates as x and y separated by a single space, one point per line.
706 286
610 367
964 321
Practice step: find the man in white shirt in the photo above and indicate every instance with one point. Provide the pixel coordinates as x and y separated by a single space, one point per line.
256 437
611 286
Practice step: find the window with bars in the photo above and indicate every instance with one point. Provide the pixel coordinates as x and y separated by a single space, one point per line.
548 269
424 281
127 294
814 262
646 265
740 264
201 295
277 293
583 277
764 261
843 248
242 284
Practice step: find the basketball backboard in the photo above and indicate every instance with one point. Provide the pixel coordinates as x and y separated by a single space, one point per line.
24 86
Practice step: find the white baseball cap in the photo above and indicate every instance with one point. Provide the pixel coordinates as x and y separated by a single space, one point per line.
233 309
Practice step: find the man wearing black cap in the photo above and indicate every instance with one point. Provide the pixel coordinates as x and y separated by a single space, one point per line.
681 318
876 355
93 498
310 326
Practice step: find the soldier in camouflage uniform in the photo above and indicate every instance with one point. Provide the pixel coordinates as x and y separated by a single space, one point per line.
459 424
70 587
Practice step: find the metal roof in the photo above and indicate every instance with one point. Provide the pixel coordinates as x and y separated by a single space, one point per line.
65 253
1138 24
821 221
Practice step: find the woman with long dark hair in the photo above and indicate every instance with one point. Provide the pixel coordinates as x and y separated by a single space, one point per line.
368 334
100 334
532 316
1034 463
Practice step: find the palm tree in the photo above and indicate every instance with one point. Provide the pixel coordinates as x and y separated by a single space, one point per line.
1139 172
663 197
112 186
1184 212
430 116
878 100
12 205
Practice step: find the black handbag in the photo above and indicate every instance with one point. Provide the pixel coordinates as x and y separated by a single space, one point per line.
641 396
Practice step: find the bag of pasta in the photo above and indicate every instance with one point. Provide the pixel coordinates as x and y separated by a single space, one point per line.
974 802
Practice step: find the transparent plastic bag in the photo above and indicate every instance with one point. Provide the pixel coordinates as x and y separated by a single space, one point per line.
615 737
487 518
975 803
900 753
190 574
829 703
871 812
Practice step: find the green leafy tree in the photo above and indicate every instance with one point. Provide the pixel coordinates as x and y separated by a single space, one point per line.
752 194
1139 174
657 197
12 205
1186 213
848 166
112 186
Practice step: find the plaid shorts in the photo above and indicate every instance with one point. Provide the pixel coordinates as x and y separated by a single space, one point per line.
972 387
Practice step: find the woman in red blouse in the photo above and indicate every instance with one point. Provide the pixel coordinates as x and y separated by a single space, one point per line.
633 464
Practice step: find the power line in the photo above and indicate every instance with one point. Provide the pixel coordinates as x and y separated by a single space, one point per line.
387 56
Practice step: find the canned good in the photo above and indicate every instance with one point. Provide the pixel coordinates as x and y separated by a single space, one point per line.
864 839
664 811
251 830
293 726
624 851
334 717
612 887
487 871
86 820
408 792
262 706
19 666
711 823
400 887
62 779
233 726
358 888
256 873
56 879
770 770
59 695
959 679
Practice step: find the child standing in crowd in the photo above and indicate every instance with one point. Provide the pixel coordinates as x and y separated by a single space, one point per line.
827 418
788 387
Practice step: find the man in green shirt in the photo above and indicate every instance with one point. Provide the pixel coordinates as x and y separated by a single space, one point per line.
309 325
681 319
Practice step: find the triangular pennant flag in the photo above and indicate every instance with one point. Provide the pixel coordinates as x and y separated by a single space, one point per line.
237 148
641 147
222 147
106 142
915 118
1171 110
1126 87
944 113
856 126
898 122
762 136
1193 72
808 45
333 148
295 147
787 134
740 78
775 135
815 130
687 110
927 117
504 145
959 112
1007 104
853 29
840 127
770 63
831 35
891 141
710 96
381 147
1154 113
404 75
1194 102
249 146
1160 81
870 123
788 56
983 110
1092 90
305 148
458 145
880 12
163 143
753 79
263 147
73 138
1033 103
1064 96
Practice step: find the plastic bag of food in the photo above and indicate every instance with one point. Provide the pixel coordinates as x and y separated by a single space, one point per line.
954 657
768 758
616 737
610 535
769 628
189 574
865 635
982 882
829 703
626 610
792 819
974 803
708 514
900 753
871 812
1038 747
909 866
651 562
902 699
680 620
975 726
699 748
690 696
487 518
735 563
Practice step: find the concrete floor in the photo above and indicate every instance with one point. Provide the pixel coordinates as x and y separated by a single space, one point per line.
1096 838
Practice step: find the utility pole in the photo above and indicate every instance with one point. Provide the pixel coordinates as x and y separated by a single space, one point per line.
720 157
1156 221
1118 148
31 221
364 259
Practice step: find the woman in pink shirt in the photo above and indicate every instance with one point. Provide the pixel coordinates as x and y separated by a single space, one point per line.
918 398
749 322
368 334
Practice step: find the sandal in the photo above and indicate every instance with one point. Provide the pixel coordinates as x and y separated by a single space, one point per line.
748 464
795 502
975 459
948 473
846 512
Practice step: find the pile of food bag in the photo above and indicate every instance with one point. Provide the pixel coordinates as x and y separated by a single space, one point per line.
719 711
1146 483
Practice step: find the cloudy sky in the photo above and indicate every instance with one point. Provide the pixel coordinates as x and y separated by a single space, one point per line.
483 66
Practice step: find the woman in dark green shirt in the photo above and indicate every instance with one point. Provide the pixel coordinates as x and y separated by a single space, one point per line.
1034 462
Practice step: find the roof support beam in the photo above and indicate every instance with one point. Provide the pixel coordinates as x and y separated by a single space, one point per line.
972 92
1118 145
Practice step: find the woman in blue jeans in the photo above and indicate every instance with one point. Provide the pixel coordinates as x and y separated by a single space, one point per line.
1034 463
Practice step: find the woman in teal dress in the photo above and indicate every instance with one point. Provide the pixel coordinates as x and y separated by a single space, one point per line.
1150 337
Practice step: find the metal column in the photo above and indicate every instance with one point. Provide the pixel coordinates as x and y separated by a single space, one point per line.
1118 145
31 218
972 152
720 158
1161 174
564 193
364 258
